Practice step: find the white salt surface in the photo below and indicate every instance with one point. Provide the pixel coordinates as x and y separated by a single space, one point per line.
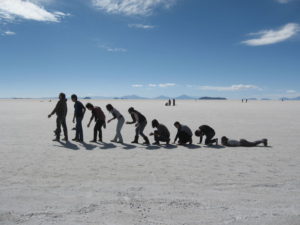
43 182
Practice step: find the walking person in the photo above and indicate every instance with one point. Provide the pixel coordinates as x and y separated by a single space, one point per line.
207 131
79 111
161 133
140 123
184 134
60 110
99 117
116 115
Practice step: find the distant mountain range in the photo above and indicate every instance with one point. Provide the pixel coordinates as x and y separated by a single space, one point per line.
290 99
163 97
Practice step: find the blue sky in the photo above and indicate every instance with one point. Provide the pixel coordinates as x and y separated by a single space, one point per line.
234 48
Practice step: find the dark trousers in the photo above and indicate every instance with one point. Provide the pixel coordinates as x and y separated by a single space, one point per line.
246 143
98 128
79 130
184 138
61 122
139 130
159 138
209 139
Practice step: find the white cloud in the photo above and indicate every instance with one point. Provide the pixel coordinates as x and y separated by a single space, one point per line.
152 85
137 85
29 10
112 49
167 85
238 87
291 91
283 1
267 37
131 7
141 26
9 33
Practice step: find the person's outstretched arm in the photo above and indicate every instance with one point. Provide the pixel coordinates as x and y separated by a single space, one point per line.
54 110
133 120
92 117
176 137
201 138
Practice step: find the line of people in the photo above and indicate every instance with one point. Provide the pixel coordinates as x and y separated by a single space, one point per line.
161 132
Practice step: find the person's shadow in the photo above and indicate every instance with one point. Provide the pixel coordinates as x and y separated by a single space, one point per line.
106 146
153 147
88 146
68 145
215 146
128 146
191 146
169 146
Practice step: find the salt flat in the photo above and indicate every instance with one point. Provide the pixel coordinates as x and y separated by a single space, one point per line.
44 182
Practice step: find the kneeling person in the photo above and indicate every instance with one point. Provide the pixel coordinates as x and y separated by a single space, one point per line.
161 133
184 134
99 116
207 131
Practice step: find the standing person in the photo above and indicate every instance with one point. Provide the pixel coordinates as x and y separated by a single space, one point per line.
99 116
184 134
161 133
140 123
173 101
116 115
207 131
79 111
169 102
60 110
242 142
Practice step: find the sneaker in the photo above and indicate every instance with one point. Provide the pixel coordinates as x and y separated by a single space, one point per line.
75 139
100 140
56 139
156 143
265 141
113 140
134 142
93 141
65 139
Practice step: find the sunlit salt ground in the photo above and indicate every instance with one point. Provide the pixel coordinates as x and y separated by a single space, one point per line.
43 182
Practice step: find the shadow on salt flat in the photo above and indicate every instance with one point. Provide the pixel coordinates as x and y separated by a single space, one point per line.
88 146
68 145
106 146
128 146
215 146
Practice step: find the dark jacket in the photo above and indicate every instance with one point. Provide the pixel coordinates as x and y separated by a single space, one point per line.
207 130
163 131
137 117
98 114
61 108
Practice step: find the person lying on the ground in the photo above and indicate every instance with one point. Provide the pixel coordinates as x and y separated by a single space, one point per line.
207 131
242 142
184 134
161 133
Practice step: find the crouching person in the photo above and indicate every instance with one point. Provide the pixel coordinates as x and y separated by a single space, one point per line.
99 117
161 133
184 134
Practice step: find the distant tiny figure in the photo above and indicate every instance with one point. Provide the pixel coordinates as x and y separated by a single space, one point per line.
246 100
169 102
174 101
207 131
99 116
116 115
242 142
79 111
161 133
242 100
141 122
60 110
184 134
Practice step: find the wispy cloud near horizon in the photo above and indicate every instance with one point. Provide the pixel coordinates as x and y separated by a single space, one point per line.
162 85
112 49
28 10
131 7
238 87
268 37
141 26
